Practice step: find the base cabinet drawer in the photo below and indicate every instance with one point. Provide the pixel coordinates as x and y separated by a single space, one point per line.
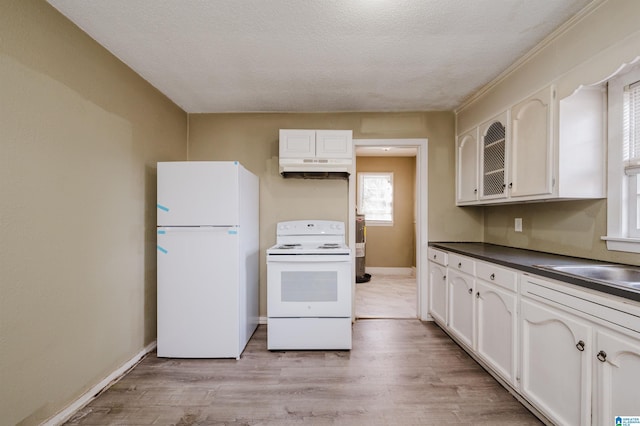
496 275
461 264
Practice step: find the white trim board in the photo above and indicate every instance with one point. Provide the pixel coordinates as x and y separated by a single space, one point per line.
106 383
390 271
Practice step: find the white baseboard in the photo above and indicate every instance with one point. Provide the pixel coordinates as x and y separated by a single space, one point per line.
262 320
390 271
85 398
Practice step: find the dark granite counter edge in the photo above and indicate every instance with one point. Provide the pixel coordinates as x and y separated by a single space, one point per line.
525 261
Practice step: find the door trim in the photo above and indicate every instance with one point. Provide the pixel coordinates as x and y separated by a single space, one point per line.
422 240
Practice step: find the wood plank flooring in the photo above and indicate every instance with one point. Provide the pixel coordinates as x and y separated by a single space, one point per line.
400 372
387 296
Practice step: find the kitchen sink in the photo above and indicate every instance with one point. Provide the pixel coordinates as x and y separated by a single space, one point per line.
627 276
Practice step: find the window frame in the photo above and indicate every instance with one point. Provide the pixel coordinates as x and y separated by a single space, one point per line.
372 222
620 209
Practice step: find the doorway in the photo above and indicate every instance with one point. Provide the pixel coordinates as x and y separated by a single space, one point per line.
417 150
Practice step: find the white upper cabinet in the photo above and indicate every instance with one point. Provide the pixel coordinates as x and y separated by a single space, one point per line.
550 149
531 146
493 155
295 143
467 167
334 144
581 154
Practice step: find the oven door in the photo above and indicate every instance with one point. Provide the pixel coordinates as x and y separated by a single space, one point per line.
309 286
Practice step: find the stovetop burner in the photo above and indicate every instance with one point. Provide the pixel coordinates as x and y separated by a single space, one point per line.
309 237
289 246
329 245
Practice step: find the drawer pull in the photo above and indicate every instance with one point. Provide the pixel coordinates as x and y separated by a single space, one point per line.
459 264
492 276
435 256
580 346
478 295
470 291
602 356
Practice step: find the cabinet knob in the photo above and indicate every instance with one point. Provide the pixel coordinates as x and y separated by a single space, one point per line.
470 291
459 264
435 256
510 184
478 295
492 276
444 277
475 191
602 356
580 346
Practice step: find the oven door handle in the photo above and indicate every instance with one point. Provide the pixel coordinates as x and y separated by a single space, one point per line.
309 262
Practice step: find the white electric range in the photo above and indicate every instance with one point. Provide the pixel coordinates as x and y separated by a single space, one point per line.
309 287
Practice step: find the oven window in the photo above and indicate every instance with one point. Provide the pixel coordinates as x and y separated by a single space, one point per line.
309 286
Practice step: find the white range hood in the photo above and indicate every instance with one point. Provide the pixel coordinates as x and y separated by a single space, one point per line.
316 154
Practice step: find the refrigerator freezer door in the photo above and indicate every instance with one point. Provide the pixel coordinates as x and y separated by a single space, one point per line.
192 193
198 302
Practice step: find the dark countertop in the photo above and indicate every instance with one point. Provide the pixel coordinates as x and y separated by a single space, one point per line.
525 260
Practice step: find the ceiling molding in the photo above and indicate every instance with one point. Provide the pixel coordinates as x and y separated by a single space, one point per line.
564 28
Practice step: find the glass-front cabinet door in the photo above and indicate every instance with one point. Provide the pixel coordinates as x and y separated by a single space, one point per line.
493 152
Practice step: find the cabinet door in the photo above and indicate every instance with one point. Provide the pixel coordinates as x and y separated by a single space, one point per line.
438 293
297 143
496 325
531 146
556 364
460 314
617 376
334 144
493 154
467 167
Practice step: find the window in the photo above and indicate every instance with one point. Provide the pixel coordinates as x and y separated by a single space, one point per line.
631 152
375 198
623 198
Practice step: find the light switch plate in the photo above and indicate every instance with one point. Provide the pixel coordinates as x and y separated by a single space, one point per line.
518 224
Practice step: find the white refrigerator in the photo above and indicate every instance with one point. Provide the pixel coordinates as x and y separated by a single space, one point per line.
207 258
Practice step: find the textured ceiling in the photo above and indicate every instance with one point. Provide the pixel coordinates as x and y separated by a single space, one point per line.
318 55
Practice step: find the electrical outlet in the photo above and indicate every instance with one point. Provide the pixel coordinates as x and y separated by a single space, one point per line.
518 224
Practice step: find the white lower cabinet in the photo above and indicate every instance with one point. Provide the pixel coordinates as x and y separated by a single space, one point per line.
617 372
556 363
496 325
573 354
461 307
438 293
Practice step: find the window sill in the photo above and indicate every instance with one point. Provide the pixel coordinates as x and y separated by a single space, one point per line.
631 245
377 223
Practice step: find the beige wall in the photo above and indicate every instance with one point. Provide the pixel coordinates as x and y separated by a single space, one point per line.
393 246
80 135
252 139
586 53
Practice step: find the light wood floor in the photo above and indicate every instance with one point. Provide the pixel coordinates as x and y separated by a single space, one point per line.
400 372
387 296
